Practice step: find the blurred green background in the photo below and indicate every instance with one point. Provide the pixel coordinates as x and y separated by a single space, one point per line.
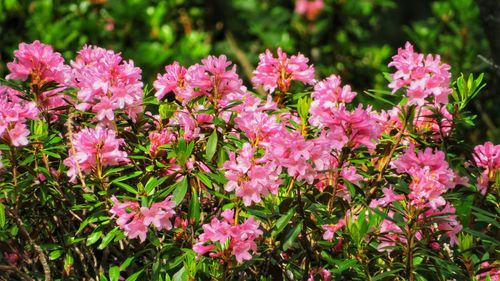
352 38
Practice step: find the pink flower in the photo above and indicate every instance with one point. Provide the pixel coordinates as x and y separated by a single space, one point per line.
172 81
279 72
249 177
14 112
134 221
19 135
40 62
487 156
94 147
309 8
159 138
239 238
352 128
389 197
106 83
489 270
330 229
444 221
422 76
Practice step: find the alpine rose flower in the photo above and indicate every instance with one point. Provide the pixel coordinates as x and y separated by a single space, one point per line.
423 76
251 178
430 173
215 78
309 8
95 148
106 83
272 73
330 229
135 220
14 112
239 237
39 62
487 156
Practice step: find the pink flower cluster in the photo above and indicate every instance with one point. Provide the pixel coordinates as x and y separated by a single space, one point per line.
438 222
226 237
423 76
430 174
430 178
135 220
215 78
347 128
487 157
39 63
94 149
491 270
272 73
309 8
106 83
251 177
14 112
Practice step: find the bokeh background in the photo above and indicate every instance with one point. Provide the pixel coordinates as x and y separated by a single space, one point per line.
352 38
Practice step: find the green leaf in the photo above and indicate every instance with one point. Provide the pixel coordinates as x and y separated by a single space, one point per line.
94 237
2 215
180 275
114 273
180 191
108 238
126 263
282 222
292 236
54 255
134 276
194 206
385 274
211 146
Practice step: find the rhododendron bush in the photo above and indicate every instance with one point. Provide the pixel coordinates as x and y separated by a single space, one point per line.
199 177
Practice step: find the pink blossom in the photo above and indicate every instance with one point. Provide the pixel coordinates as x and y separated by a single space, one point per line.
14 112
134 220
422 76
40 62
309 8
239 238
330 229
491 270
106 83
172 81
355 128
19 135
431 176
94 148
444 221
279 72
251 178
389 197
487 156
159 138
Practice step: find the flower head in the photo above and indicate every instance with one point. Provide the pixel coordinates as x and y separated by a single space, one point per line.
423 76
95 148
106 83
279 72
